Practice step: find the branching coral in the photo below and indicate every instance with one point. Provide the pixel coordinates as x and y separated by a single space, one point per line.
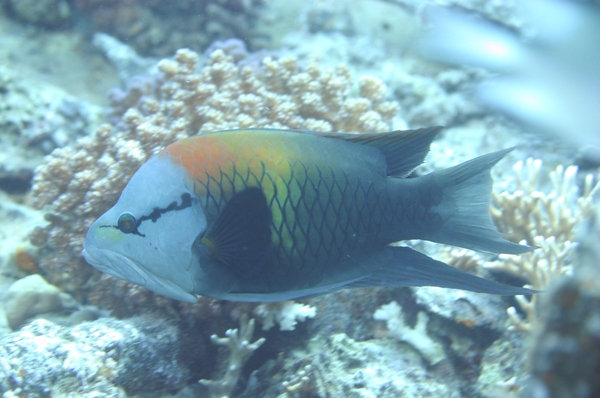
299 382
551 260
240 348
80 182
286 314
547 221
463 259
528 212
417 337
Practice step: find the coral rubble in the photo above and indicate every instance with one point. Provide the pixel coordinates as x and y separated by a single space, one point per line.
47 13
36 118
105 358
339 366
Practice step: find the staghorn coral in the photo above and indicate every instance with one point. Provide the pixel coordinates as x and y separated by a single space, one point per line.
528 212
547 221
297 383
551 260
240 349
79 182
460 258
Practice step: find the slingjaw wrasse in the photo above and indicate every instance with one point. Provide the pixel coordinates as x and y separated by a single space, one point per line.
267 215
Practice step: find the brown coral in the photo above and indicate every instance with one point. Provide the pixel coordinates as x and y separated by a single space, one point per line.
80 182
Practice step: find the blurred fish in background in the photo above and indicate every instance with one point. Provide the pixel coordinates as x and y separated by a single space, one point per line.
547 78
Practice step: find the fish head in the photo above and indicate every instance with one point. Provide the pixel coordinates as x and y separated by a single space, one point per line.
146 238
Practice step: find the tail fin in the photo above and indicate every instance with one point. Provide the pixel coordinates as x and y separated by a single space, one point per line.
465 207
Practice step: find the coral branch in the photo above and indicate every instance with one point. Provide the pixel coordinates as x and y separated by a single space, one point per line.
240 348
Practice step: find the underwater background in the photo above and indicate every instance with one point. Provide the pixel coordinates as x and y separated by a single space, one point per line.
90 89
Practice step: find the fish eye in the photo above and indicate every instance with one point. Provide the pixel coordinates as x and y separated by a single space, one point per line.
127 223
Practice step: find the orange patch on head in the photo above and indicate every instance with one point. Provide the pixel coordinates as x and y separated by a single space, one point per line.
188 160
174 150
199 155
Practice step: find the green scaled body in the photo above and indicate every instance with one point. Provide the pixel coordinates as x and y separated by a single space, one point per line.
266 215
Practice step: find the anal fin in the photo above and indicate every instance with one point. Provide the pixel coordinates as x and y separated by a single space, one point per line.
408 267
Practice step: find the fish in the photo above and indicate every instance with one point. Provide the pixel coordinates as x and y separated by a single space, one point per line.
263 215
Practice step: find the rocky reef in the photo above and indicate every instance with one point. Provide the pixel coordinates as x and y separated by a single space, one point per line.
67 330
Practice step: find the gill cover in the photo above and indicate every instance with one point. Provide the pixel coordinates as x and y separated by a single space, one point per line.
147 237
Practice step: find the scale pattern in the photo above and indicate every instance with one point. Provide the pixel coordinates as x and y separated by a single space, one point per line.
329 198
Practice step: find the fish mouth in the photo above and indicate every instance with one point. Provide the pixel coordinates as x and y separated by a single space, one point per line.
115 264
123 267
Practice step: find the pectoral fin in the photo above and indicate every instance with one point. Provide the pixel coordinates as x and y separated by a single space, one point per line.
240 238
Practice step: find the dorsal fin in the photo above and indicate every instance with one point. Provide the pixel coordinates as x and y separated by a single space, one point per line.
403 150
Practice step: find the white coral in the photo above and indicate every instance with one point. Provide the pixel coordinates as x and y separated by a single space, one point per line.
286 314
547 221
240 347
417 337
